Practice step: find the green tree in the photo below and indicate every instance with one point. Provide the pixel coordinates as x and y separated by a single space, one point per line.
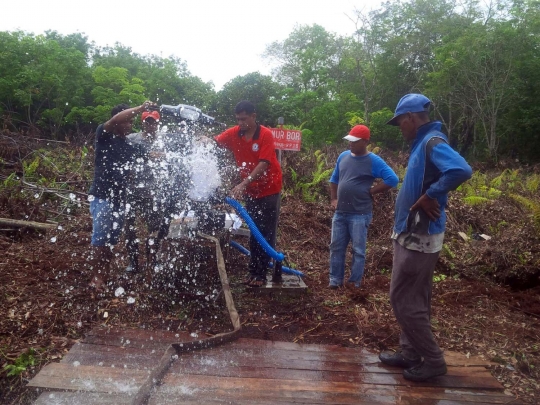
41 80
167 80
259 89
306 59
112 86
476 78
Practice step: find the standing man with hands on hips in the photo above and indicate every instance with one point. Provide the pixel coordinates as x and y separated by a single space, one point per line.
433 170
351 195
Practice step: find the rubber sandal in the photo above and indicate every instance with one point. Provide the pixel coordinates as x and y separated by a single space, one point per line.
248 280
257 283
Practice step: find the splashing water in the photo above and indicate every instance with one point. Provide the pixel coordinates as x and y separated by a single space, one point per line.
205 176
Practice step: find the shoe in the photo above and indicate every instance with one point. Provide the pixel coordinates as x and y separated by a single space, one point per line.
398 360
333 286
423 372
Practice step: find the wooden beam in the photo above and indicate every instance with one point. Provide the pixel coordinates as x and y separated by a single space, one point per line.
15 223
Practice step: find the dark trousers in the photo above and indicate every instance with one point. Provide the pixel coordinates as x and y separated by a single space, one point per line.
410 295
264 212
141 206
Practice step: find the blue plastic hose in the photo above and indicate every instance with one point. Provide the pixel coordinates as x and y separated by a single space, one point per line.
288 270
284 269
278 256
239 247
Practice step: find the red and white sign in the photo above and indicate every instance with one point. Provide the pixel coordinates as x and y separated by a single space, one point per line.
287 139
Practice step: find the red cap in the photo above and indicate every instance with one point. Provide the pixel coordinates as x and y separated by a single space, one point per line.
150 114
358 132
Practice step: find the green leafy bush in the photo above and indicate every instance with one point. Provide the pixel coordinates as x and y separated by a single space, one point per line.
21 363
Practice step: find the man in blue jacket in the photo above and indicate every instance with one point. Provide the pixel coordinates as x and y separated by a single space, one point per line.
433 170
351 195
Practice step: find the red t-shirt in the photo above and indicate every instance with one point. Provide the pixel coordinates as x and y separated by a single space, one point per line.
248 154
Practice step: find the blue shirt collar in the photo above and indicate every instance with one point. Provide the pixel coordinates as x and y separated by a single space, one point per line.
426 129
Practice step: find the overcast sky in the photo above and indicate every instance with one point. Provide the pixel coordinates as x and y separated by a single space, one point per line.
219 39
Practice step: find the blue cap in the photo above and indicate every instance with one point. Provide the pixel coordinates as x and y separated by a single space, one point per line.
412 103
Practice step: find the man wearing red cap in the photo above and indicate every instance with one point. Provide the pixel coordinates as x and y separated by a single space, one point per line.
351 195
107 193
142 201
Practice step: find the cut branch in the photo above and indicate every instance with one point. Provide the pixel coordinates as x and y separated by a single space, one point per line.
15 223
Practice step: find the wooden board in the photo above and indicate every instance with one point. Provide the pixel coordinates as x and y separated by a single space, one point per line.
262 372
136 338
82 398
112 356
185 388
115 366
291 285
335 366
90 378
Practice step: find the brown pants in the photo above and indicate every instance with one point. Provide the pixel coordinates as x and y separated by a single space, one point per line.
410 295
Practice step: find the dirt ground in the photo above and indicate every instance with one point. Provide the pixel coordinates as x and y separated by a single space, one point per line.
486 297
46 305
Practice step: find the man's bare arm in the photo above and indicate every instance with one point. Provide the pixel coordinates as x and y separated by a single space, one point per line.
126 115
238 190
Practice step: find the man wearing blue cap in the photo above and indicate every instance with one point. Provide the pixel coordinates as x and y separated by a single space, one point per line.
433 170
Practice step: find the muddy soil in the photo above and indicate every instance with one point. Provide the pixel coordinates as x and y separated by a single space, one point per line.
46 305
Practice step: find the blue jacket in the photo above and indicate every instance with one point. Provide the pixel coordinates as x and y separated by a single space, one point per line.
444 171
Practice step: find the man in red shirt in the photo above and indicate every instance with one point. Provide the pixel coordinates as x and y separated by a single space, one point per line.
255 155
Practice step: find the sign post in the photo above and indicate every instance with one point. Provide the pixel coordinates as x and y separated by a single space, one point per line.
284 139
287 139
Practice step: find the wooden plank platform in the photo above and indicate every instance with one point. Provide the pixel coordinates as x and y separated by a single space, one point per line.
82 398
112 365
108 367
291 286
262 372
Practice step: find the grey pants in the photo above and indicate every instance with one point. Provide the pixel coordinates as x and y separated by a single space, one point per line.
410 295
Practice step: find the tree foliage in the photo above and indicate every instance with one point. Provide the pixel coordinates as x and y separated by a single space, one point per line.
478 62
